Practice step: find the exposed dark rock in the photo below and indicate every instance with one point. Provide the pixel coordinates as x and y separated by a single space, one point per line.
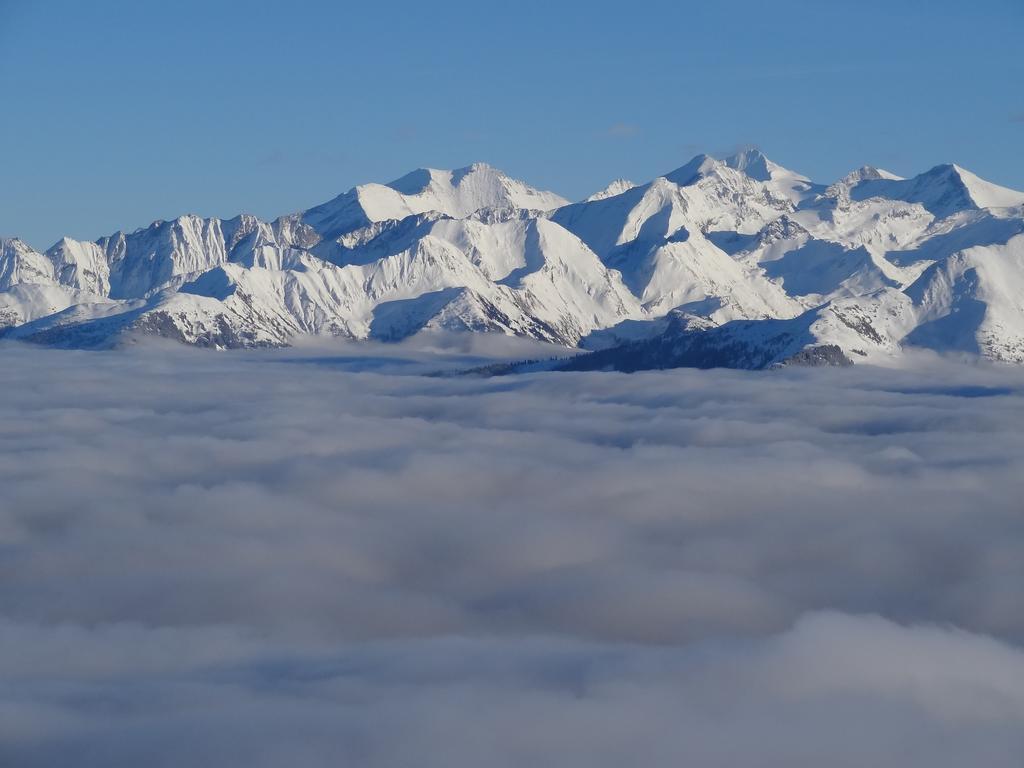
821 355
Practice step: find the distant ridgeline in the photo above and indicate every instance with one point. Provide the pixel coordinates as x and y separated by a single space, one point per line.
736 263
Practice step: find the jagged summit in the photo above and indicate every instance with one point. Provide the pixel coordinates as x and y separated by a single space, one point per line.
418 181
455 193
866 172
841 188
614 188
13 244
749 166
750 162
732 261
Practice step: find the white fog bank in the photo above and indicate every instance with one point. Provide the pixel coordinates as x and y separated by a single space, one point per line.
322 557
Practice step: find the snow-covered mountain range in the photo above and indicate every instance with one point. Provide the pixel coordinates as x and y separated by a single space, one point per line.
734 261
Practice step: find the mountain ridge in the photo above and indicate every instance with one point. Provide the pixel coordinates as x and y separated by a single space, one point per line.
738 253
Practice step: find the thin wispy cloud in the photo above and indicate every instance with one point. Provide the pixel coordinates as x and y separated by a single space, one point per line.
622 130
273 157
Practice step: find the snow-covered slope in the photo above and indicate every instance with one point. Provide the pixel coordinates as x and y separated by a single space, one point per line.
973 301
735 261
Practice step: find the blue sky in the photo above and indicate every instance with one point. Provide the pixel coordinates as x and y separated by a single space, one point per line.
118 113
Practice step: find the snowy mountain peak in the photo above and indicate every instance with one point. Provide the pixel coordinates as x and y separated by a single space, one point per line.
456 193
13 245
21 264
752 162
696 169
749 165
477 168
615 188
842 187
983 193
866 173
942 190
418 181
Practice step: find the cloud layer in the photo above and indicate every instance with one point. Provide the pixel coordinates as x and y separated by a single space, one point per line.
322 558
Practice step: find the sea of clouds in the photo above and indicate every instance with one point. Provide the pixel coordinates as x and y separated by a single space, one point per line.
324 557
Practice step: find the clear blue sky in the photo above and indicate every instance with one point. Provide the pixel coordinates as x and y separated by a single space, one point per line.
118 113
